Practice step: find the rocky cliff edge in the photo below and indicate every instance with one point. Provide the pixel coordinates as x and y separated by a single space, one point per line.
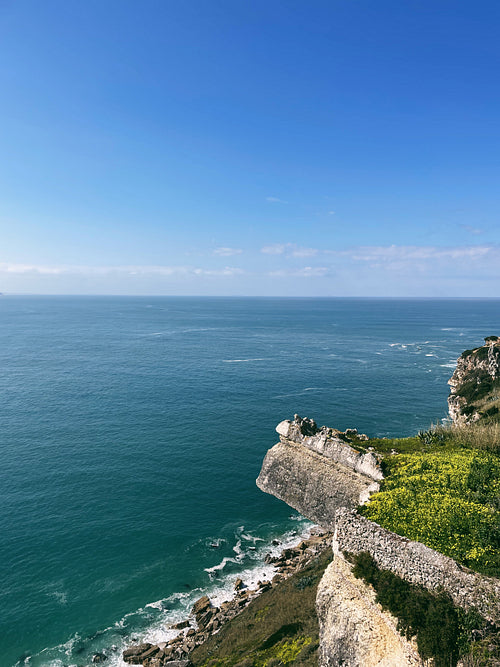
317 470
475 384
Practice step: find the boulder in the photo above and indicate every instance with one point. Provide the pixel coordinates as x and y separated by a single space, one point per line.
201 605
133 655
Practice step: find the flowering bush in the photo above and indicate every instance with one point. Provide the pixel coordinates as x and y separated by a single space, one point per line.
448 500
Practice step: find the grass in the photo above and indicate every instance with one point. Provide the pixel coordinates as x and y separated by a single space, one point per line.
445 493
483 435
279 627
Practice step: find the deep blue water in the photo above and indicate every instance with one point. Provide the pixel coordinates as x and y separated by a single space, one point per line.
132 431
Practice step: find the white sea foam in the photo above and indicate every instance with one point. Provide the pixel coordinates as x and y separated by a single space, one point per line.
152 622
302 392
238 361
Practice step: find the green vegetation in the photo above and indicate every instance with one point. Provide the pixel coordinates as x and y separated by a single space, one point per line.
446 495
481 391
478 386
443 632
279 627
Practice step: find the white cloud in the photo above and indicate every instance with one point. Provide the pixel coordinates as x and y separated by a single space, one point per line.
288 249
304 272
275 249
148 270
227 271
227 252
402 253
303 252
276 200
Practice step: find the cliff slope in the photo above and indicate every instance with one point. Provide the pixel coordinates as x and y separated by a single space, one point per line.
316 471
475 384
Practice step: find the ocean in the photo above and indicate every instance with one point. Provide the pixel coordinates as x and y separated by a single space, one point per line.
133 429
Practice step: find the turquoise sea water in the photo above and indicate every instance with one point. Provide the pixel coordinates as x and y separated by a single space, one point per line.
133 430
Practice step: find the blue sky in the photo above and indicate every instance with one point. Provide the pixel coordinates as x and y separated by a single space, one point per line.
340 148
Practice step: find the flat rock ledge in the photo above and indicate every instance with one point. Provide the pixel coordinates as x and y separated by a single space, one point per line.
206 619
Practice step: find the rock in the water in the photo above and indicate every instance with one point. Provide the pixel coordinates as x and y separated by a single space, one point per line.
97 658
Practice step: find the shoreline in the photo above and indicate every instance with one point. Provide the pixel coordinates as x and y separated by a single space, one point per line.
209 615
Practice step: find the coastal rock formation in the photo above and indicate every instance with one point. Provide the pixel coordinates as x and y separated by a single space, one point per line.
319 472
354 630
475 384
206 619
417 563
316 471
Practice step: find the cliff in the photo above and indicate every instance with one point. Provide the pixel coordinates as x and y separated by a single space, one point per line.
475 384
319 472
316 471
326 474
354 630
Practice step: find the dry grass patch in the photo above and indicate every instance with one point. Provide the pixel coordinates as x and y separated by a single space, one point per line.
279 627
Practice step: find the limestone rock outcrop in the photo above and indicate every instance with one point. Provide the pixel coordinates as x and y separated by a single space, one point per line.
354 630
320 473
475 384
316 471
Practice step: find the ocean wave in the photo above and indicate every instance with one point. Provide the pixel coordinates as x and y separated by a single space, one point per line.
238 361
152 622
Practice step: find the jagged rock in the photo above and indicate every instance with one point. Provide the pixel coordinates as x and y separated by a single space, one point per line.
153 662
238 584
97 658
203 619
476 375
150 652
201 605
353 629
133 654
181 625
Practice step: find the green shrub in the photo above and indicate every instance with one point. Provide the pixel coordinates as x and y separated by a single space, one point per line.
446 499
443 632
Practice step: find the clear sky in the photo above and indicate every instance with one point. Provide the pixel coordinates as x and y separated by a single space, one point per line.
260 147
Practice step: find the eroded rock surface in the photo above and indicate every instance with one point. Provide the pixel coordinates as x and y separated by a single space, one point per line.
354 631
316 471
475 384
417 563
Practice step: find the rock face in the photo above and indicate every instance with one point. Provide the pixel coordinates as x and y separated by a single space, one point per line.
354 631
417 563
475 384
316 471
